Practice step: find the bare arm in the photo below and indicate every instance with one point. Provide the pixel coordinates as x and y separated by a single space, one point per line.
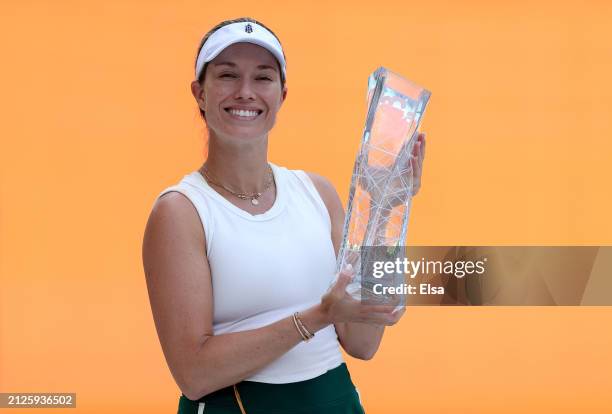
180 292
360 340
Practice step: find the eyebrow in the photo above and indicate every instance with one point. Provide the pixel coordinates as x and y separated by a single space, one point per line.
232 64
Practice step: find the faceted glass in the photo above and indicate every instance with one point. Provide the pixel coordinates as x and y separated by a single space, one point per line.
381 189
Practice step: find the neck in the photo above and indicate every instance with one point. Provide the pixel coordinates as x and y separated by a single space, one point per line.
241 166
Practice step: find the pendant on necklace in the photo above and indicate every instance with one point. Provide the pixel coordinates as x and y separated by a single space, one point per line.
254 201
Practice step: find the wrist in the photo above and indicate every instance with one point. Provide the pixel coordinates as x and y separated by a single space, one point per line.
315 318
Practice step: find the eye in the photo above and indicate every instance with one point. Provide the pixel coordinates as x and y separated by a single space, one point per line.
264 78
227 75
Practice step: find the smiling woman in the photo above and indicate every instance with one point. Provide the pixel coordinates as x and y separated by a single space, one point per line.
239 255
244 69
201 64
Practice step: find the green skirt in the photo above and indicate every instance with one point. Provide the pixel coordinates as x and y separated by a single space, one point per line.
332 392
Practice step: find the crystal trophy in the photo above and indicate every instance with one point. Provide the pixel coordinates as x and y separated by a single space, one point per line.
381 188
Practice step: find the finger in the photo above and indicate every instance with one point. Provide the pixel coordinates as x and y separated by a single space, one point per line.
349 268
376 309
416 148
386 319
395 300
374 319
344 278
397 314
416 173
420 160
416 167
423 144
419 153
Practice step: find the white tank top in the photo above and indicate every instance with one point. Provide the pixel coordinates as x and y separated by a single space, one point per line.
267 266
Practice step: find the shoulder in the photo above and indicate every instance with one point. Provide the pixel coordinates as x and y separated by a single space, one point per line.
174 219
173 206
334 206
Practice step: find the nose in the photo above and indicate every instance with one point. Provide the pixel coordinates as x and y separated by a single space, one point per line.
245 89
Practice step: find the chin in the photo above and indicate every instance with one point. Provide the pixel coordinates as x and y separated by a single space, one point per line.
246 134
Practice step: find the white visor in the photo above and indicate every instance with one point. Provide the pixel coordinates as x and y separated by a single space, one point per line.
239 32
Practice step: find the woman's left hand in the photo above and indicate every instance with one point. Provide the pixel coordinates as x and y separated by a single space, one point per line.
418 154
372 178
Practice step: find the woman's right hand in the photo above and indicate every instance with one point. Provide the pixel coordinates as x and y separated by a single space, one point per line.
339 306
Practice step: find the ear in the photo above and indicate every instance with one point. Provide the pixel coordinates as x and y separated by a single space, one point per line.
284 94
198 93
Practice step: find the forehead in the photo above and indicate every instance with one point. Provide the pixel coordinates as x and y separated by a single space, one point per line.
244 52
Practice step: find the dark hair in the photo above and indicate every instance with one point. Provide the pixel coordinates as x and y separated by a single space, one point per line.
225 23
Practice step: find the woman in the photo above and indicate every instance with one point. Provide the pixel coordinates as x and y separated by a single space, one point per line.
239 255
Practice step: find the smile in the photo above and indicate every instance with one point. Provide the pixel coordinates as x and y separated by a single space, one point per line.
243 114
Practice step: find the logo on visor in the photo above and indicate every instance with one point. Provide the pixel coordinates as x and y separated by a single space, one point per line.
248 28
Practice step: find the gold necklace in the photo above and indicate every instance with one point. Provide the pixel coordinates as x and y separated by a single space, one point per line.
243 196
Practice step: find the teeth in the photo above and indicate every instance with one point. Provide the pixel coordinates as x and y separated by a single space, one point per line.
241 112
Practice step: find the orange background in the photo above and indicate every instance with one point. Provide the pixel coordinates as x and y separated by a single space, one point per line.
97 118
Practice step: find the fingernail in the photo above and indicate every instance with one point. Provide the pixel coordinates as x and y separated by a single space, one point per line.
349 267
